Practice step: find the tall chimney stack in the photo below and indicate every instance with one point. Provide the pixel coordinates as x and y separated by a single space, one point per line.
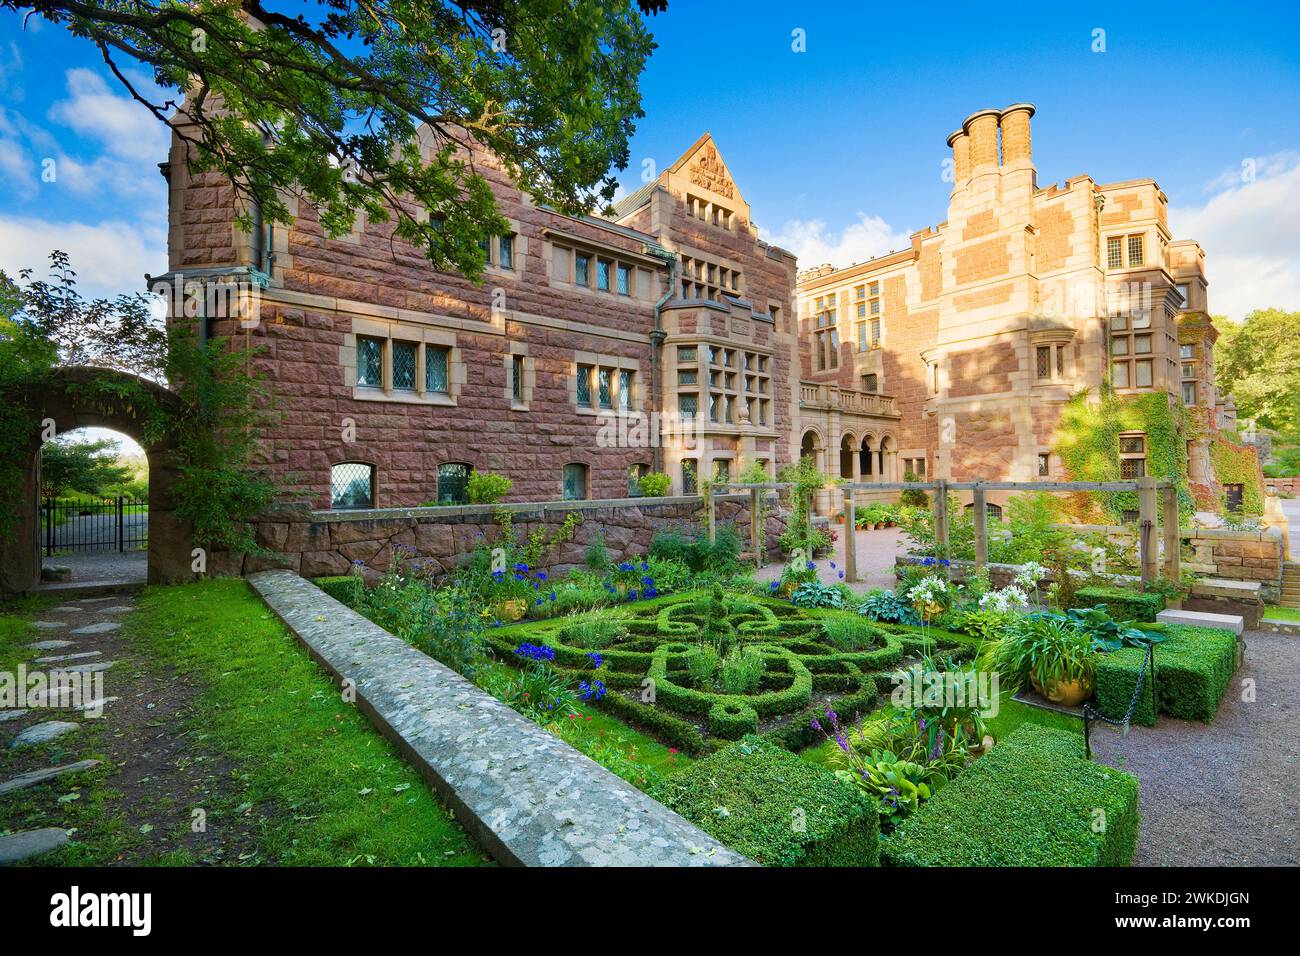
960 143
983 130
1015 133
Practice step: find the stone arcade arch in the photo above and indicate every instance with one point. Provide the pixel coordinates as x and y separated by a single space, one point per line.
66 402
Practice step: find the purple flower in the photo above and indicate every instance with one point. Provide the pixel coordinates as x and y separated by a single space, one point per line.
816 725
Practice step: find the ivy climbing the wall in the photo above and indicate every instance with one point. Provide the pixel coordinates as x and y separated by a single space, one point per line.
1238 464
1087 441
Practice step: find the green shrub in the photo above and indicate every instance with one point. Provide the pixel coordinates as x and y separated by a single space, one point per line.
1193 667
775 808
654 484
594 629
487 487
343 588
732 719
1034 800
1123 604
850 633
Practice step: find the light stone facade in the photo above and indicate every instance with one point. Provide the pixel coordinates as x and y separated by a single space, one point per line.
980 331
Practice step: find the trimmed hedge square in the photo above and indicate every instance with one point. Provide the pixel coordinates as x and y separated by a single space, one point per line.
1193 667
1123 604
1034 800
340 587
775 808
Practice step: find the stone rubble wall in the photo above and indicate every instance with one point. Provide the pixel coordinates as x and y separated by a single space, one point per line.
318 543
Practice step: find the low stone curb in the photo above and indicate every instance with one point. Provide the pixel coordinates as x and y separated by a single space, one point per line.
528 797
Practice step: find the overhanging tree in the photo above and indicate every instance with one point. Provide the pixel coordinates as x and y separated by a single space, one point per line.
274 89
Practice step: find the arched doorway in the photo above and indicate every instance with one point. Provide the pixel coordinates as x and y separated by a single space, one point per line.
866 459
847 452
76 398
810 446
886 457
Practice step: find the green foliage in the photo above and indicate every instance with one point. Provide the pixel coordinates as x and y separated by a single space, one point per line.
815 594
1087 440
85 467
1122 603
370 103
722 556
345 588
847 633
889 607
593 629
445 623
774 808
654 484
1049 647
1032 801
913 497
1193 668
487 487
807 481
1238 464
742 669
1257 361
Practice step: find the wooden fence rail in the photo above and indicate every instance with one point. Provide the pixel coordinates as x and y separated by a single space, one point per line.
1157 513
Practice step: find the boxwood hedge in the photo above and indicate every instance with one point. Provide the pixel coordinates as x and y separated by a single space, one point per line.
775 808
1193 667
1122 603
1034 800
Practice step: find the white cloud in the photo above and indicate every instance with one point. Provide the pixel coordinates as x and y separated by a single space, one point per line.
1251 237
109 257
814 243
16 168
124 126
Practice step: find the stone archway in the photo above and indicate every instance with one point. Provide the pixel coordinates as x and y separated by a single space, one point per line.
68 402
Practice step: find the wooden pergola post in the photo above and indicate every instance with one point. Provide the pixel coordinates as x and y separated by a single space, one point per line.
1172 536
712 518
1147 518
941 516
850 539
809 543
980 514
757 534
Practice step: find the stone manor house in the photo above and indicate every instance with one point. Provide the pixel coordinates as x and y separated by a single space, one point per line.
670 337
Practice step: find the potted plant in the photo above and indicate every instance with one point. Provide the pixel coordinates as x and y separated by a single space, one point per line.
1051 653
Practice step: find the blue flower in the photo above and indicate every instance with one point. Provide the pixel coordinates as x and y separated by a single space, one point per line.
832 565
552 595
649 593
597 661
541 575
521 566
928 562
841 575
536 652
945 562
773 585
648 581
811 566
645 566
631 595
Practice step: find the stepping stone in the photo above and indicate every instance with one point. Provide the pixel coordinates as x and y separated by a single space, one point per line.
50 625
32 778
103 627
96 705
85 668
50 645
67 657
94 600
17 847
69 608
116 609
11 713
43 733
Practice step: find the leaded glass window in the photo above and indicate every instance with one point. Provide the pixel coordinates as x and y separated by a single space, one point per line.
575 482
435 370
404 366
370 363
453 483
625 390
584 386
352 485
605 377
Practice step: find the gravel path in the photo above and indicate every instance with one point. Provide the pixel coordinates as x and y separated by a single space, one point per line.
1222 794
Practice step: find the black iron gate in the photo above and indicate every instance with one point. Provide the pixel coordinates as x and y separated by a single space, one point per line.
94 524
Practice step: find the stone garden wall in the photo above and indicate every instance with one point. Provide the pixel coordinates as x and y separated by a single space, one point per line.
316 543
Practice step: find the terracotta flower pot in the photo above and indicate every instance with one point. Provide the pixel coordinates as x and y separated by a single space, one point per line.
1066 693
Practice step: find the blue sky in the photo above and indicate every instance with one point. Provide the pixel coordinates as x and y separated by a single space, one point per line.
838 148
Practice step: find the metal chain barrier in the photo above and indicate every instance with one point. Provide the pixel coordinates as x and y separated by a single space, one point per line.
1090 714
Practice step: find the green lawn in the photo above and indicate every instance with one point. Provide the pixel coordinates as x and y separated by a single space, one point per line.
302 774
1289 614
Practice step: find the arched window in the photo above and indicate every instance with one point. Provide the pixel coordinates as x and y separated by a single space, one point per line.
865 457
453 483
808 449
575 481
352 485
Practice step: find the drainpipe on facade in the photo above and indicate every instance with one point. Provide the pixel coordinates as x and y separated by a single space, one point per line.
657 336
